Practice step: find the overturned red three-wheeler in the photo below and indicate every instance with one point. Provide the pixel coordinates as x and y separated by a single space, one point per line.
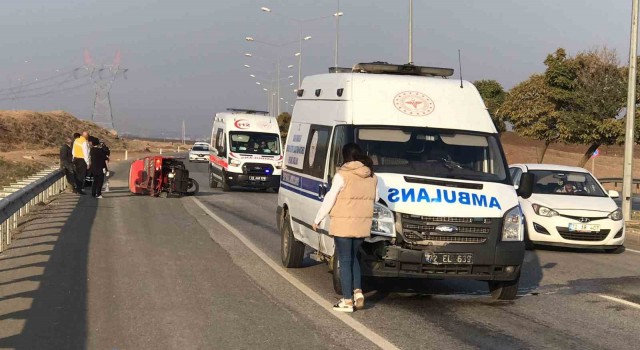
160 176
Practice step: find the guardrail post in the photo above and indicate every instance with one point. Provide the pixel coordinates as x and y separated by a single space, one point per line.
126 154
1 236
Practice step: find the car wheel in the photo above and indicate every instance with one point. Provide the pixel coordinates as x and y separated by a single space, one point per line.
335 270
212 181
504 290
291 250
615 250
225 184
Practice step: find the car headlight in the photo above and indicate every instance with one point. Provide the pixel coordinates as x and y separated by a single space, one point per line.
171 175
512 226
383 223
544 211
279 165
616 215
235 162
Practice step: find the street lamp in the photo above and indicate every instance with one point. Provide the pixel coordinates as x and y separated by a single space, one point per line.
248 54
247 66
337 15
277 46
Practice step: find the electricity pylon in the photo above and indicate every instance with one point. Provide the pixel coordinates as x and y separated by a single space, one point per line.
103 77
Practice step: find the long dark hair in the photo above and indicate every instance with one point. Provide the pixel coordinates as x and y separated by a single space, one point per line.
352 152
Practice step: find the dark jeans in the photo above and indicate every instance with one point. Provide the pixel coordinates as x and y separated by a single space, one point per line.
350 276
96 187
81 172
70 175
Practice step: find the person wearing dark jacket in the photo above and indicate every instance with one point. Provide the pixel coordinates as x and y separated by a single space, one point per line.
98 166
66 163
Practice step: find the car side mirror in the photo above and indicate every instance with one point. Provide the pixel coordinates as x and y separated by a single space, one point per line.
614 194
525 188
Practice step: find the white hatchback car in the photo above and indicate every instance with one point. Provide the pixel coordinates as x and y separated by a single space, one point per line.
199 152
570 208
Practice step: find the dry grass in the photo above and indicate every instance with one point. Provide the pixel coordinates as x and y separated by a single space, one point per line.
30 141
11 171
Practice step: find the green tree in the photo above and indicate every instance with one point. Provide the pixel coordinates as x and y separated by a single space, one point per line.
589 93
494 96
528 107
284 119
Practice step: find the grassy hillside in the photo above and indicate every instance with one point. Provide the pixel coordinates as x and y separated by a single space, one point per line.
29 130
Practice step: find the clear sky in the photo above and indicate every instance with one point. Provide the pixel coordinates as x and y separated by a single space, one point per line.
186 57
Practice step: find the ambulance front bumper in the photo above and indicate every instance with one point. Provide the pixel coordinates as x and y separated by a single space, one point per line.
252 181
499 263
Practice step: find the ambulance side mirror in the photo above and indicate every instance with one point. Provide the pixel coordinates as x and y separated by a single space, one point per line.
525 188
214 151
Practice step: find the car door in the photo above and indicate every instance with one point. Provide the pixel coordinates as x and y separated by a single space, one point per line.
219 155
305 176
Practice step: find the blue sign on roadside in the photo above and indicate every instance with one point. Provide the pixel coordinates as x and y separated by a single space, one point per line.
595 153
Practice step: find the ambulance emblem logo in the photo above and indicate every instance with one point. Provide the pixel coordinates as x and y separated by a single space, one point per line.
413 103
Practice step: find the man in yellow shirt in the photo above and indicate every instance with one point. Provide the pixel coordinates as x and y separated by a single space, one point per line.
80 154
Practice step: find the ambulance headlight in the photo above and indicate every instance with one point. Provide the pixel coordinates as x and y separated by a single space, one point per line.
512 226
235 162
171 175
383 223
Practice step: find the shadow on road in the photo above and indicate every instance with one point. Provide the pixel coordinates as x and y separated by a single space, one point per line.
43 278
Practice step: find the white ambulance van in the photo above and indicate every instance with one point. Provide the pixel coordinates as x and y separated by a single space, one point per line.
246 150
447 205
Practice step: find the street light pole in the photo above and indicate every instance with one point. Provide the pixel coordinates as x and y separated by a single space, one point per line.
335 63
410 31
629 140
278 81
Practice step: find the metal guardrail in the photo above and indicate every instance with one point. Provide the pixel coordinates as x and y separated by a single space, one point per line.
618 180
19 198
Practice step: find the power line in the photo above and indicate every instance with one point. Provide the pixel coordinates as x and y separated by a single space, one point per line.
52 92
19 91
40 81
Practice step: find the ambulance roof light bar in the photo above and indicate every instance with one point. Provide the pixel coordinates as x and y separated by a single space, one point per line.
405 69
248 111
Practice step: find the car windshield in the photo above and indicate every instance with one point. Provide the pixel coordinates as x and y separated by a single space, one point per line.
202 148
255 143
566 183
434 152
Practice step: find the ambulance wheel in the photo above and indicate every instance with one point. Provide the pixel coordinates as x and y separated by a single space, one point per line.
291 250
504 290
212 181
225 184
335 269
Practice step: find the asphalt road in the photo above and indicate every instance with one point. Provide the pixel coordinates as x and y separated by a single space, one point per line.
565 295
134 272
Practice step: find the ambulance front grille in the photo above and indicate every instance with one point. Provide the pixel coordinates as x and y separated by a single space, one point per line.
422 229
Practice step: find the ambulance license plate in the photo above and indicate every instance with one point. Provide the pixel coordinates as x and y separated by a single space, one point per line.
449 258
584 228
257 178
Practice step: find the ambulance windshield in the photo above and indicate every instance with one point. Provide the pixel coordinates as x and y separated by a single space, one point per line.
433 152
254 143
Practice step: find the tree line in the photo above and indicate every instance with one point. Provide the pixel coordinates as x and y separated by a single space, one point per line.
578 99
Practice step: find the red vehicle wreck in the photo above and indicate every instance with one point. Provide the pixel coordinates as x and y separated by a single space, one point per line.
160 176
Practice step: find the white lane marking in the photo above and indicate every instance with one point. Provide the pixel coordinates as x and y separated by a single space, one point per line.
325 304
632 250
621 301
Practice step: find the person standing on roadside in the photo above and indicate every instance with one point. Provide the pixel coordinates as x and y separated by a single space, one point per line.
66 163
98 166
81 161
107 153
349 204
